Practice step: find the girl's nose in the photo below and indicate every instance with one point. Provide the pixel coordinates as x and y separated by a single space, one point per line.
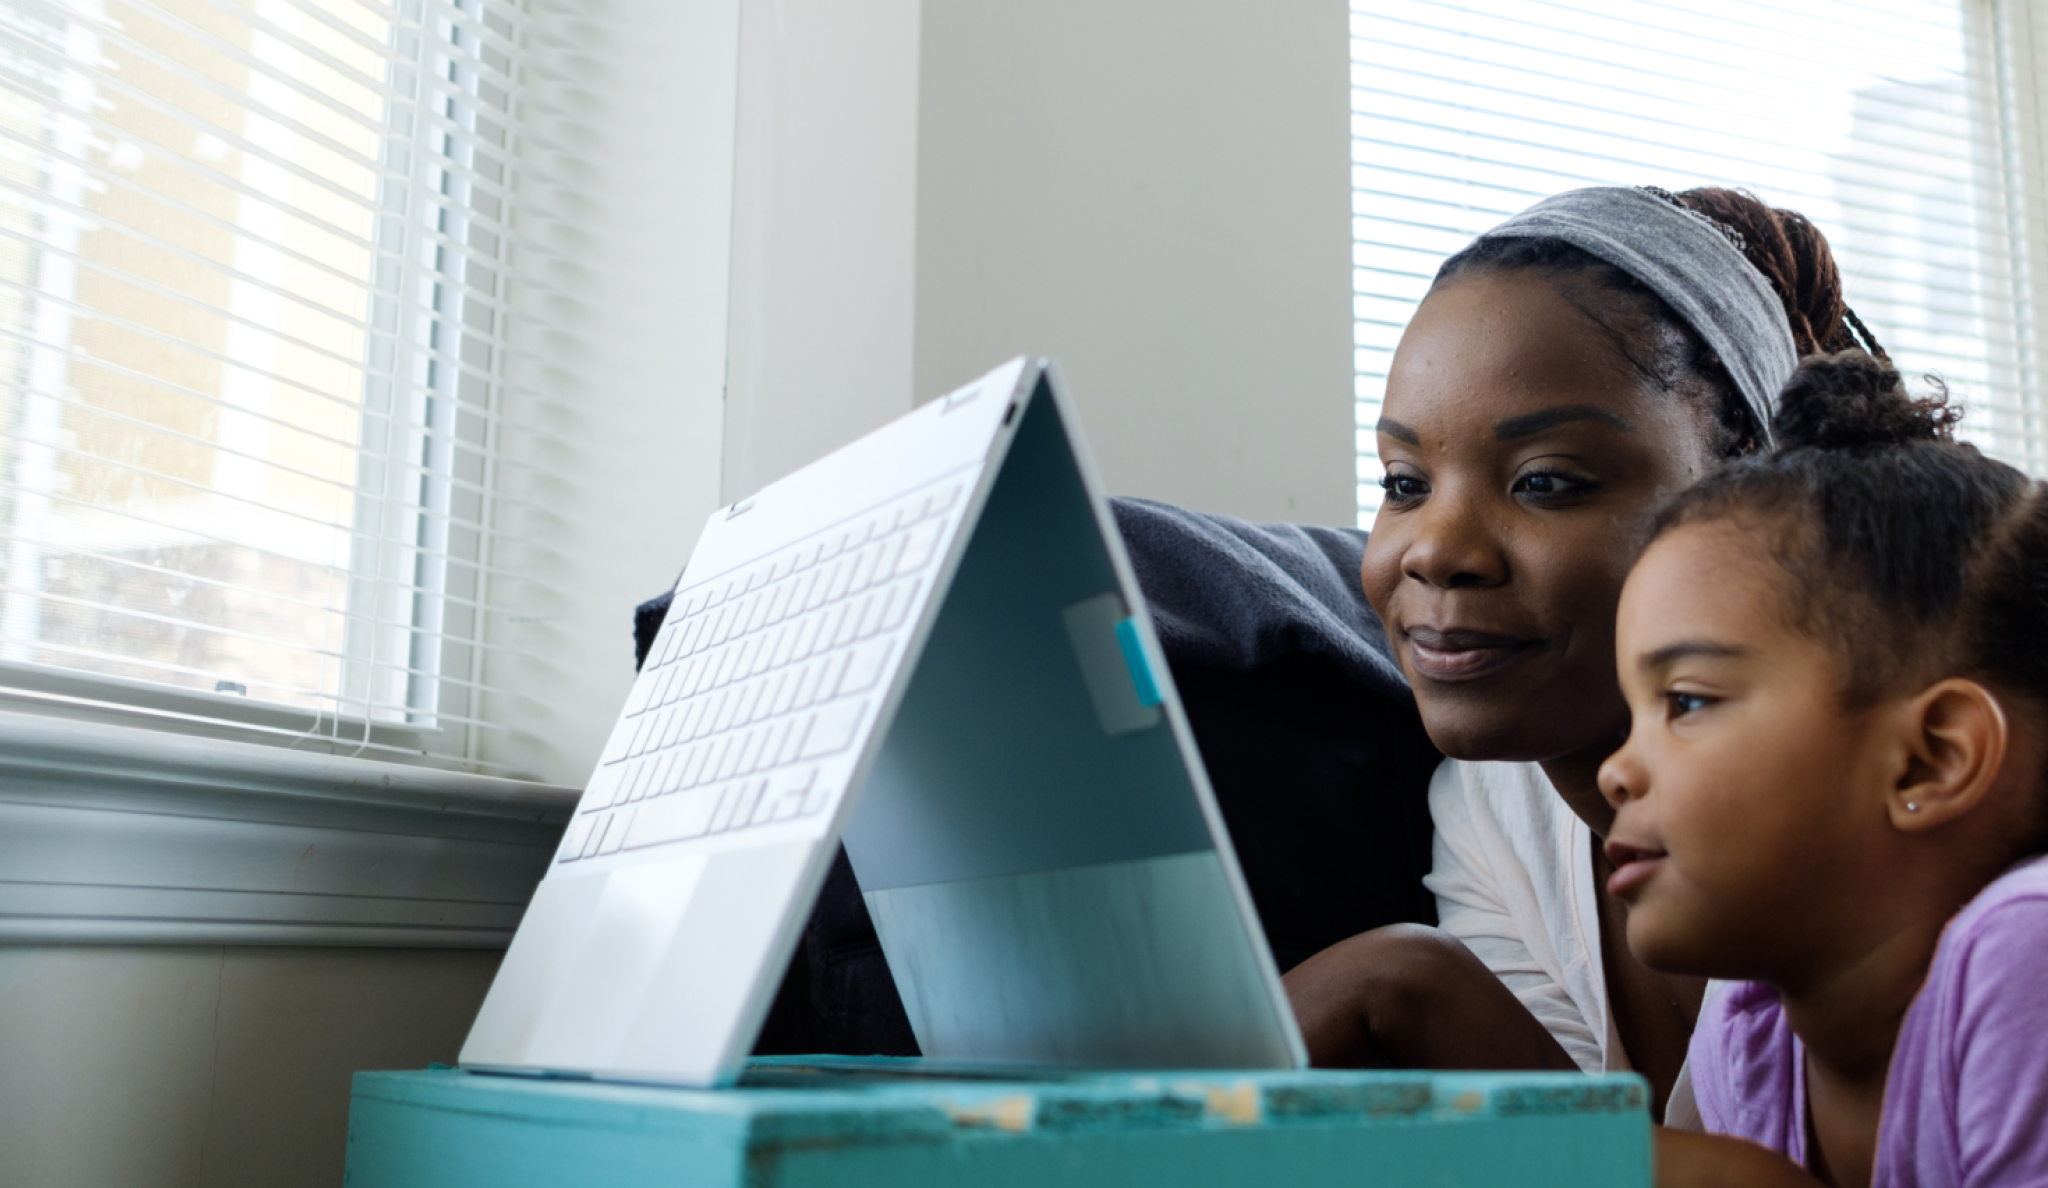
1622 778
1453 545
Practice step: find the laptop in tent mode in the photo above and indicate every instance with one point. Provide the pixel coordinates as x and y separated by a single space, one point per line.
928 645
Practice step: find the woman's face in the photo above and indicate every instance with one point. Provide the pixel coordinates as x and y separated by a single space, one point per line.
1524 456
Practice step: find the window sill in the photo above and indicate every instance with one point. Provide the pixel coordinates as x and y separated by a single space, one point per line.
114 835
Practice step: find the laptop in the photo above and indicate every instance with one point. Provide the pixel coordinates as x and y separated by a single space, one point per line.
928 645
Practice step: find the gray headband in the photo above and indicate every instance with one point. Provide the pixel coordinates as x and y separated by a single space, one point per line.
1688 262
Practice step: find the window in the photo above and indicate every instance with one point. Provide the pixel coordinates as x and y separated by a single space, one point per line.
252 294
1889 123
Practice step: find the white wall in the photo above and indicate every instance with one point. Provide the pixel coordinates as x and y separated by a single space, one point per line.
208 1066
1155 193
1158 194
616 382
823 231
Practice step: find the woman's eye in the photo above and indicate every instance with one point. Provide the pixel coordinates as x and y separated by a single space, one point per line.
1551 484
1403 488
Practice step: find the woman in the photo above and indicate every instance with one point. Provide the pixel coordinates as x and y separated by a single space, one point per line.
1565 372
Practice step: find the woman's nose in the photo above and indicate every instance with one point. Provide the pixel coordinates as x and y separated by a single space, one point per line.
1453 545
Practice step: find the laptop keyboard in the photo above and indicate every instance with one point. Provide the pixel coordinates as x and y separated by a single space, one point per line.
757 679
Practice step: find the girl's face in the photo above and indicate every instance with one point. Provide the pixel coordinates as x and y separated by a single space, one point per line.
1523 458
1737 793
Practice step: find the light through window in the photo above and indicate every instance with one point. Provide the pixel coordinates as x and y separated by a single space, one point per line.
251 305
1880 120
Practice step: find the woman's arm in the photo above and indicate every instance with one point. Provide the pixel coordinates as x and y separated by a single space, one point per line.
1685 1160
1406 996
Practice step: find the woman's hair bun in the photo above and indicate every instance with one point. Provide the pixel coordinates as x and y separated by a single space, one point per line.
1852 400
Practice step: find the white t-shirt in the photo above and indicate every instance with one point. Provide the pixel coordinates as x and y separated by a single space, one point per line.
1512 874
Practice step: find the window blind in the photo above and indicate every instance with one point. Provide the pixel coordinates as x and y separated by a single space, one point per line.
252 295
1888 123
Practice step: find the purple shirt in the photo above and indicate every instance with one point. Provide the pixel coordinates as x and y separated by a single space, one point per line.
1966 1101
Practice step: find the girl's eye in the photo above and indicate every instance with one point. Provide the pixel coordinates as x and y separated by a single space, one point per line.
1686 703
1403 488
1551 485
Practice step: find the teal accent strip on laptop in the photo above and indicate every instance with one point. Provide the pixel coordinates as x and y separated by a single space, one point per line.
1134 658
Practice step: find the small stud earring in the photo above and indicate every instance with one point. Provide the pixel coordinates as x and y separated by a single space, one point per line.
1911 807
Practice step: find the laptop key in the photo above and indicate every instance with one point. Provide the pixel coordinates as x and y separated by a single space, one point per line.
918 546
579 833
777 738
728 799
729 756
864 666
750 751
728 703
692 768
674 730
799 729
864 564
615 832
848 626
891 556
674 818
596 834
832 729
748 800
871 613
764 806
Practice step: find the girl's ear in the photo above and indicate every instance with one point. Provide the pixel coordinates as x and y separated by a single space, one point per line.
1957 736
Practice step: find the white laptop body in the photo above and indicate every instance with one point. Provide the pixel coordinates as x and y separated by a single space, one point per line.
929 645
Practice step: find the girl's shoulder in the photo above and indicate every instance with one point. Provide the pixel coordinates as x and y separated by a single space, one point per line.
1969 1073
2014 900
1990 964
1746 1068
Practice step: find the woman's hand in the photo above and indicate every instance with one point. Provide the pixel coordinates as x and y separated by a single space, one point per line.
1686 1160
1406 996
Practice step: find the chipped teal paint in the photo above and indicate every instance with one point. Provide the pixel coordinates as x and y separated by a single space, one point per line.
849 1124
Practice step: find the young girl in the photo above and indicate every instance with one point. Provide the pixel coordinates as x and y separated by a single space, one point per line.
1836 661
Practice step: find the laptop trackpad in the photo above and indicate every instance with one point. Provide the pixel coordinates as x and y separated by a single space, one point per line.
624 939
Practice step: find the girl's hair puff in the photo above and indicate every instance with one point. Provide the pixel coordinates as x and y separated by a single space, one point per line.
1912 555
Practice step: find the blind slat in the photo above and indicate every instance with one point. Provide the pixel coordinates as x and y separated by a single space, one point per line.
1864 117
253 273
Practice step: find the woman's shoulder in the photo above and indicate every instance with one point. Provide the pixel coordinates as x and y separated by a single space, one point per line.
1233 595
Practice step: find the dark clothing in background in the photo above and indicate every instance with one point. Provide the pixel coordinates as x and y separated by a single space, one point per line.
1308 731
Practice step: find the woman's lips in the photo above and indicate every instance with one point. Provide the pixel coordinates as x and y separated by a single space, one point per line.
1633 867
1455 655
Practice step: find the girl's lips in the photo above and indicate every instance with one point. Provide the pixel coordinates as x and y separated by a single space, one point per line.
1451 656
1633 867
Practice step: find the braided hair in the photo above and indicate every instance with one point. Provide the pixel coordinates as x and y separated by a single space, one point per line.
1662 347
1909 554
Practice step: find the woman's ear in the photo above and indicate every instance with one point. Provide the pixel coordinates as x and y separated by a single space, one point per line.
1956 736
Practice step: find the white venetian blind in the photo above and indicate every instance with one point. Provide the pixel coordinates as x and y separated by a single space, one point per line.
1888 123
251 328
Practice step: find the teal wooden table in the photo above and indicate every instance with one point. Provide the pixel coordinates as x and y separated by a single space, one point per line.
854 1123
